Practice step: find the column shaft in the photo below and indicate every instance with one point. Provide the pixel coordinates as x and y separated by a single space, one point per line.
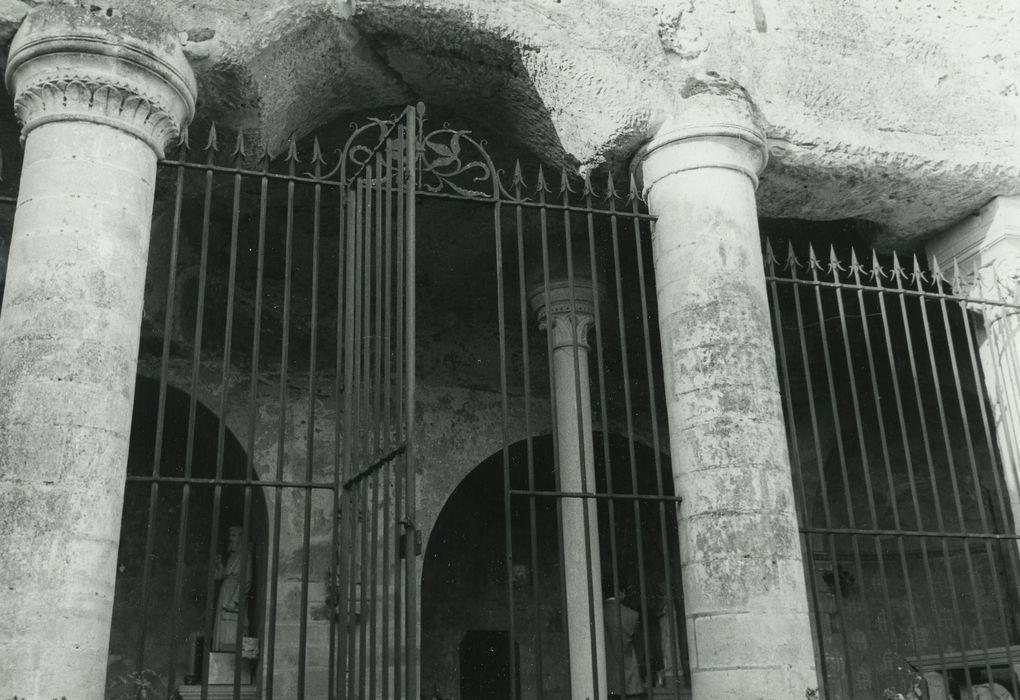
579 523
98 105
69 332
743 576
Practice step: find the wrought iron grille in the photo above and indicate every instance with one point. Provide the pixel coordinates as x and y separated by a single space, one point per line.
903 486
275 393
580 492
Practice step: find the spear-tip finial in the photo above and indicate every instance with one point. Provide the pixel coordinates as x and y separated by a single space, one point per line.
770 256
541 185
812 259
586 190
518 179
633 194
239 145
855 264
835 266
792 263
897 268
936 272
611 192
317 152
917 276
212 144
565 181
183 142
957 285
877 273
292 156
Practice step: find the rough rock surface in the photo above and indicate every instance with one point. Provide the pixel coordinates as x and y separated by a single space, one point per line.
906 116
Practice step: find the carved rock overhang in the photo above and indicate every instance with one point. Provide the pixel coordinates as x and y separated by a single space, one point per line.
578 88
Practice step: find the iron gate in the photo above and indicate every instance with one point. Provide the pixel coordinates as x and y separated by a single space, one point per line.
903 498
275 393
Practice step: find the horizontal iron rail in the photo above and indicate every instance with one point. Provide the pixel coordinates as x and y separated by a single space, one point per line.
548 206
229 482
906 533
925 294
307 179
604 496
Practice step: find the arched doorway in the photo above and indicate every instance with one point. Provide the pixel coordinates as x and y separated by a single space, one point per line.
171 531
466 579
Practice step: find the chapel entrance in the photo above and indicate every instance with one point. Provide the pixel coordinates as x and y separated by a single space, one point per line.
465 582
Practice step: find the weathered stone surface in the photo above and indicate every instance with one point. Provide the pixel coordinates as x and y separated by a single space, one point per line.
904 116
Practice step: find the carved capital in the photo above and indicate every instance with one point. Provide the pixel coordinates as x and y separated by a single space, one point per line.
566 311
66 64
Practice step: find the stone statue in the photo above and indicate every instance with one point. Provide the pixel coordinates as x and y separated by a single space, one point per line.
622 673
232 602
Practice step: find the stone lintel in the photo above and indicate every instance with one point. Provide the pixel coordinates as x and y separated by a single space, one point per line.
985 248
124 71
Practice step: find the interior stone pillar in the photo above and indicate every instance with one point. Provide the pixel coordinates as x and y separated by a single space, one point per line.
988 244
99 96
743 575
567 312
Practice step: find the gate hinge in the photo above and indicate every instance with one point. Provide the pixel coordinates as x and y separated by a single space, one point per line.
402 538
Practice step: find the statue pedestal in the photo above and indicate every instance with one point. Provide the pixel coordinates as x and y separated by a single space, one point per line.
215 692
221 679
221 668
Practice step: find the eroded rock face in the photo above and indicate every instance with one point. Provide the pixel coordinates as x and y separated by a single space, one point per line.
905 116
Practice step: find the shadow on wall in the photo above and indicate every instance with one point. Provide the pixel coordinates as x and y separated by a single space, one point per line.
173 527
465 579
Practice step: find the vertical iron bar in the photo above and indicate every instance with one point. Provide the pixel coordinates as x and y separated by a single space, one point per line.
346 585
899 275
553 397
164 365
282 436
196 361
505 439
803 512
306 534
947 564
335 587
387 429
410 492
649 367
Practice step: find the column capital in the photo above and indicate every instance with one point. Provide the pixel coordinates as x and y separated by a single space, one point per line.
69 64
571 312
983 250
725 135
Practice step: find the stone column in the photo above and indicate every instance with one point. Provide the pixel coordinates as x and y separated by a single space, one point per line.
986 251
567 312
743 575
99 97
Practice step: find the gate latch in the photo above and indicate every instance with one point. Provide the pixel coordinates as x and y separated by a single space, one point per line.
408 525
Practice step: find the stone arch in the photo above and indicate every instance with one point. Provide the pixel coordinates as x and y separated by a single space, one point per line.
167 650
464 577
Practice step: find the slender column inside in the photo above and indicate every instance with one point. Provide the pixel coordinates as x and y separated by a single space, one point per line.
567 312
743 575
69 331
